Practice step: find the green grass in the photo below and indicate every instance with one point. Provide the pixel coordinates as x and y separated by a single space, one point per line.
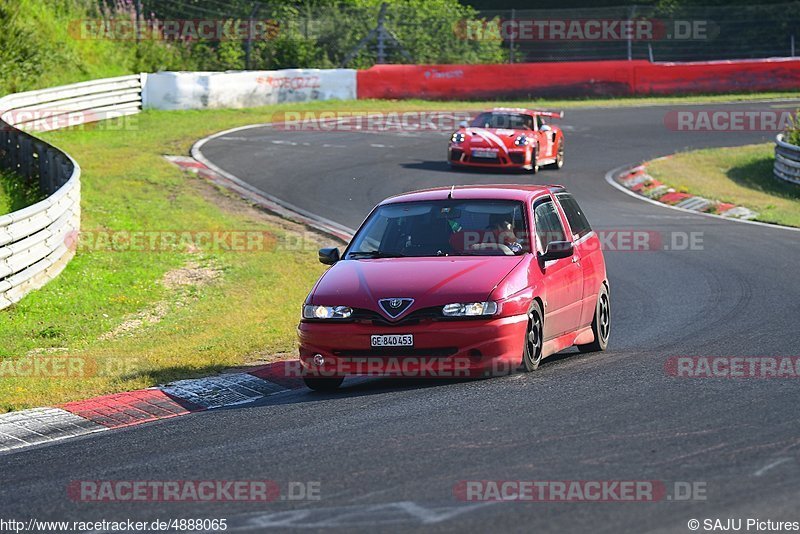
248 314
16 193
741 175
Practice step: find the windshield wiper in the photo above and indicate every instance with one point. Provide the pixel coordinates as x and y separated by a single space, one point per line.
374 254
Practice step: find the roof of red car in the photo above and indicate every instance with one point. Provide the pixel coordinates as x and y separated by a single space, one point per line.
476 192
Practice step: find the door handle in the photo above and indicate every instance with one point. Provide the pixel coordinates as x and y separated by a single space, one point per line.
575 259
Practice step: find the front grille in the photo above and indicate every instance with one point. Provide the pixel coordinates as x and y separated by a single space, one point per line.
455 154
397 352
413 318
484 160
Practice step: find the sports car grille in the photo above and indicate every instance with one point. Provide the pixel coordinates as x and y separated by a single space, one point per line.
484 160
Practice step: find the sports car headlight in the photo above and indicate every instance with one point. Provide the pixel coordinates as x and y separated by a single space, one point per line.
521 140
326 312
470 309
458 138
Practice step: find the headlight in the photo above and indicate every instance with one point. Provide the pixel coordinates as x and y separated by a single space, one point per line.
471 309
457 138
327 312
521 140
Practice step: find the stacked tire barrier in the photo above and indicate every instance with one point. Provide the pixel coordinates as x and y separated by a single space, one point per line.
787 161
35 241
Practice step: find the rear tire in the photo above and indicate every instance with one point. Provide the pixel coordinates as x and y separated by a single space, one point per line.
601 325
323 383
532 355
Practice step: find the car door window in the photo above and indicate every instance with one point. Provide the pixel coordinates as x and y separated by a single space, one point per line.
575 217
548 224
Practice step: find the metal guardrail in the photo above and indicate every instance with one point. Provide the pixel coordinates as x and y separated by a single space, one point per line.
35 242
787 161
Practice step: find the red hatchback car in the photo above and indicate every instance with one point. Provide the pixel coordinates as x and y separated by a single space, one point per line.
508 138
466 281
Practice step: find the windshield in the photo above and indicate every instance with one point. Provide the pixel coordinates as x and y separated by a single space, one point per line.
509 121
443 228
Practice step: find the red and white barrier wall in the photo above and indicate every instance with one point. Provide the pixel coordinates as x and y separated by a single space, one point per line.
589 78
206 90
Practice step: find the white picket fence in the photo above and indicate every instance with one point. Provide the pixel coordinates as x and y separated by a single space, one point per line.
35 242
787 161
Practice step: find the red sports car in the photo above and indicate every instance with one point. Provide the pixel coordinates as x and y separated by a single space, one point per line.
508 138
466 281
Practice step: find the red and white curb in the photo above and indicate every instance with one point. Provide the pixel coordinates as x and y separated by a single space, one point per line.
39 426
638 181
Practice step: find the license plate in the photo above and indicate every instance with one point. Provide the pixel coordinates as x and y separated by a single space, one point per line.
484 153
394 340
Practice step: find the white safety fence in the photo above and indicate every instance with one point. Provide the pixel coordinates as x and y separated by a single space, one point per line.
35 242
787 161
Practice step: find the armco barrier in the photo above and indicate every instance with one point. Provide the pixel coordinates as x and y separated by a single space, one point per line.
787 161
209 90
590 78
34 241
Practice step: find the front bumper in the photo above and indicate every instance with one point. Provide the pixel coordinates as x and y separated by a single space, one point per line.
442 349
515 159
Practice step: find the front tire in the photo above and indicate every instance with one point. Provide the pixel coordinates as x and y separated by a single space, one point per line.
317 383
559 164
534 342
534 161
601 325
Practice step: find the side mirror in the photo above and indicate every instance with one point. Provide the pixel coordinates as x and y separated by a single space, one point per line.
557 250
329 256
545 128
463 124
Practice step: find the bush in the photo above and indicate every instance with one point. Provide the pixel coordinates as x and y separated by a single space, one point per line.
792 134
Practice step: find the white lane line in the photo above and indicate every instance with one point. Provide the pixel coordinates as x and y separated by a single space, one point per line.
767 467
322 223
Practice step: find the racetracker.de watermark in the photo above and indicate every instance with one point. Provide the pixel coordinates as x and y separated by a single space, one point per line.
578 491
46 119
252 491
740 367
591 30
726 120
362 121
175 29
66 366
171 240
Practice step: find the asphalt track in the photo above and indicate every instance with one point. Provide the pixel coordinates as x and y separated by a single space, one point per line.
388 453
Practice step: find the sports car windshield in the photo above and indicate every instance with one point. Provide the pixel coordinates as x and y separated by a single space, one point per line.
443 228
510 121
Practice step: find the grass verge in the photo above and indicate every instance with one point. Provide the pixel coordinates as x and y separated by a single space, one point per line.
130 319
740 175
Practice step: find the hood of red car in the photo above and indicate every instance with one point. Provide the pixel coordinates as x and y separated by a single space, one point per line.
491 137
428 281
